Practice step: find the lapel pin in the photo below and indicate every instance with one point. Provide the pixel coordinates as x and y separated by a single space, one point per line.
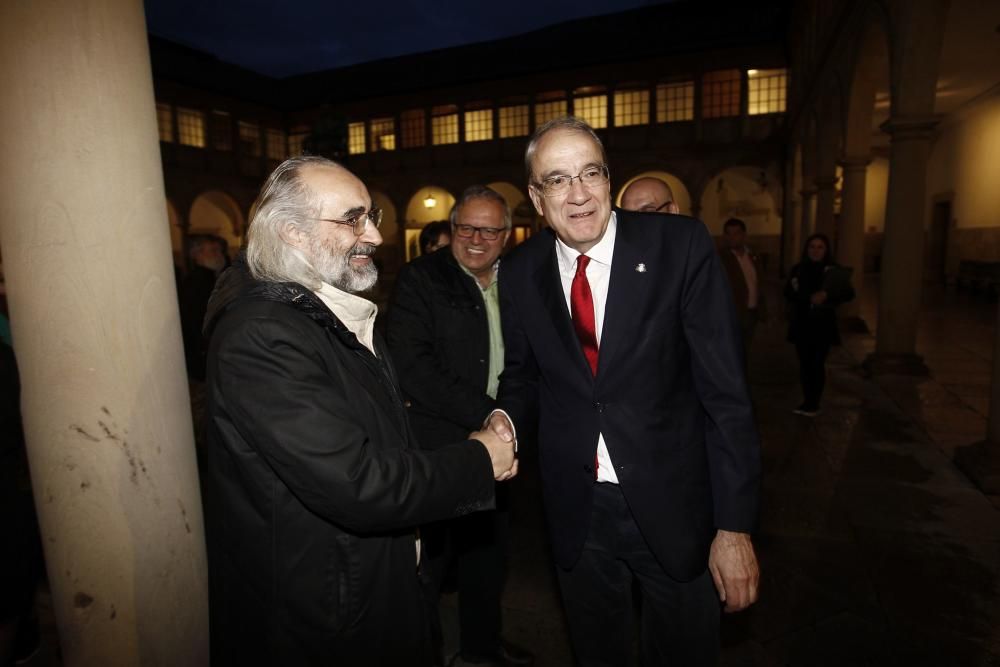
640 268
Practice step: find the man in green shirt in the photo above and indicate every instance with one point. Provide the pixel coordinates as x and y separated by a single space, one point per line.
445 339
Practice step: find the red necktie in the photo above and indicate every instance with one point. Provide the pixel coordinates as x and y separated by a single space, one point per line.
581 302
582 307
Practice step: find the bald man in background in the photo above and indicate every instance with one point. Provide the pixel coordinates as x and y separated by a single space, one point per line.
649 195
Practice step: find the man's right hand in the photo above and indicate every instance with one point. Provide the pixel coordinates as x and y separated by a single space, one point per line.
501 453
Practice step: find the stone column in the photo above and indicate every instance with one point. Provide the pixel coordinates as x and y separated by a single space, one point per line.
825 196
903 246
94 315
851 237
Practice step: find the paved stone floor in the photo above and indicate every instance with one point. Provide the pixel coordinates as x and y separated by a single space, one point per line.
875 549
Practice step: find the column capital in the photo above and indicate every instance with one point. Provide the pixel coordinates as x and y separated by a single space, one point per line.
910 127
855 162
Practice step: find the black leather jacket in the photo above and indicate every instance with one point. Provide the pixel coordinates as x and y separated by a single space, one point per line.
313 487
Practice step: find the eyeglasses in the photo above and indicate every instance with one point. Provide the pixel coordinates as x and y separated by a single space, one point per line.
488 233
649 208
359 221
560 185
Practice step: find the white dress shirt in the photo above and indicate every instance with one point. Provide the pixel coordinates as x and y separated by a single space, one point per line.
599 276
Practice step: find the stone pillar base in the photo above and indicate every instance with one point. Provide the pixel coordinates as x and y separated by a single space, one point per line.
981 463
895 364
854 325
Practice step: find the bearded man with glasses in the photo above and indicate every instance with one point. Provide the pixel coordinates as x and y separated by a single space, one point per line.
620 337
314 482
444 334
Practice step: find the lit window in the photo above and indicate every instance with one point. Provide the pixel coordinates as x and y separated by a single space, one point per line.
546 111
593 109
444 125
297 139
165 121
222 131
514 121
675 102
479 125
631 107
355 138
382 134
720 93
274 141
414 128
766 90
249 138
190 127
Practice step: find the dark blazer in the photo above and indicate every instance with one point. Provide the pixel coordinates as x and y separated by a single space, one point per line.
313 486
669 396
439 340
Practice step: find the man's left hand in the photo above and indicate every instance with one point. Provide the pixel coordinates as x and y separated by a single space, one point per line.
734 569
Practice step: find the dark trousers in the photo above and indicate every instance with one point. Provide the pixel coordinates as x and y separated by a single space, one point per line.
476 545
680 620
812 370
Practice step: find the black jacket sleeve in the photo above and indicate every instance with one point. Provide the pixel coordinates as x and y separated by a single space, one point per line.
327 442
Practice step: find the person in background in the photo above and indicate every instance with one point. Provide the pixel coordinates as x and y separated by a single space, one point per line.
444 336
434 235
743 269
813 296
649 195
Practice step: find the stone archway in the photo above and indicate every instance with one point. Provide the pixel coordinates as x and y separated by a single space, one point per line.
751 194
427 204
215 212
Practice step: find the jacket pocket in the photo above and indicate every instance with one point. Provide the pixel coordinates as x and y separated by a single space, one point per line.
344 582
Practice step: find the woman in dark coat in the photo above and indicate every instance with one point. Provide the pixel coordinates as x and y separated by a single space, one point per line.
815 288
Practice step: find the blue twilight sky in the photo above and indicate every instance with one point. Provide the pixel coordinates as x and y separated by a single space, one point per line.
298 36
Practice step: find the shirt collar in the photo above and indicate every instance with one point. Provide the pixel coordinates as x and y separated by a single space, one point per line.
600 253
493 277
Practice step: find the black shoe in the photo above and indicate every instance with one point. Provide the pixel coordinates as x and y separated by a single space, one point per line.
806 410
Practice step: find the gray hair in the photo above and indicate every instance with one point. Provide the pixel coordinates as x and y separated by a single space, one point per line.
284 200
567 124
481 192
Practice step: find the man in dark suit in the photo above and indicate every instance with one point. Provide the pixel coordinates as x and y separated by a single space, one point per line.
620 331
445 339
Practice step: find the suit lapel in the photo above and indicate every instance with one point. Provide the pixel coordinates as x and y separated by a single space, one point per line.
554 303
632 275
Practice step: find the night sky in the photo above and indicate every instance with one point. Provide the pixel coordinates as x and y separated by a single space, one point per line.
298 36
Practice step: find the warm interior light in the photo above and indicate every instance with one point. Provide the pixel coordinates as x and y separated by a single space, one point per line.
429 201
751 72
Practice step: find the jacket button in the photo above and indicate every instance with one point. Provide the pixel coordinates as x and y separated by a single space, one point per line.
407 404
588 469
482 361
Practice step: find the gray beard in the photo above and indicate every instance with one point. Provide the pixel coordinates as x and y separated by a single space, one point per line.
336 270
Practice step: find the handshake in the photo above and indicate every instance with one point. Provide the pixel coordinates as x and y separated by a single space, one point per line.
497 436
